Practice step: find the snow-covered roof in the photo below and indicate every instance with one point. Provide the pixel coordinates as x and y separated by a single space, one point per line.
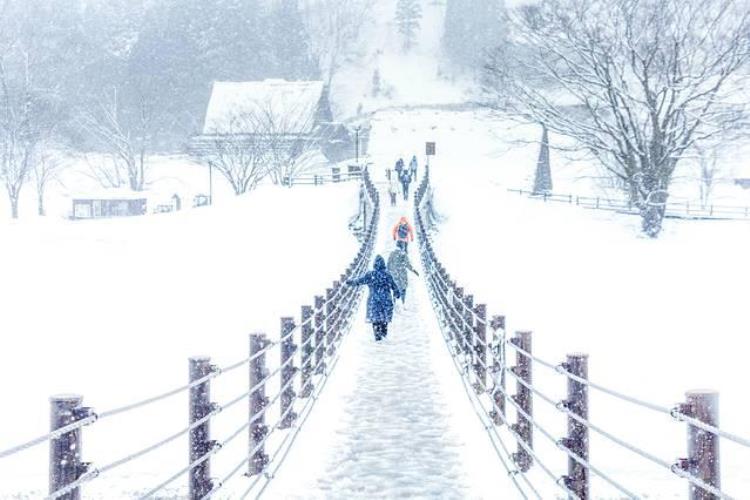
109 194
240 107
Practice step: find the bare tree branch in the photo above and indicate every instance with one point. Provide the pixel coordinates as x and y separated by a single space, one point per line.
636 83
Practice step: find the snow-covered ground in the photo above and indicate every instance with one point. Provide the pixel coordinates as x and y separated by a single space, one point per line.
394 422
112 309
657 317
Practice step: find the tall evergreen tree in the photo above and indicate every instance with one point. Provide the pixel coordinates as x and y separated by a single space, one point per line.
408 16
291 51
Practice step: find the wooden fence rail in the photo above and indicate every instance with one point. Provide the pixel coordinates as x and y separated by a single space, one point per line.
674 209
463 325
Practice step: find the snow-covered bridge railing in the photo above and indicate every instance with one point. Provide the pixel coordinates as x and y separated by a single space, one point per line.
484 365
353 173
307 352
673 209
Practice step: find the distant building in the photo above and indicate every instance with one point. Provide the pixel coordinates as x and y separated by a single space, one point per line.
273 110
108 204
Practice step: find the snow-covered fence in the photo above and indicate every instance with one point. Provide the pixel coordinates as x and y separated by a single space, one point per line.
478 358
353 173
307 351
673 209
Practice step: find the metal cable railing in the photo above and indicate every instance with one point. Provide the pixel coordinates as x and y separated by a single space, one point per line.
306 363
479 358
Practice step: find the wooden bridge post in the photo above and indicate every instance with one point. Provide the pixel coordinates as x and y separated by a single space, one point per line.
320 363
523 399
200 482
308 348
577 440
288 350
343 299
458 297
499 362
480 348
258 403
330 321
65 465
468 328
703 459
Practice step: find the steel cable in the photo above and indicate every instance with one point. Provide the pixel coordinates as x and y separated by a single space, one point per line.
489 429
49 436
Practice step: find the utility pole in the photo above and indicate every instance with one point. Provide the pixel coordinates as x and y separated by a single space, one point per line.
210 183
356 146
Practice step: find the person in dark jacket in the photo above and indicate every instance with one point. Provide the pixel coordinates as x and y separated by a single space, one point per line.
405 179
380 302
413 167
399 167
398 264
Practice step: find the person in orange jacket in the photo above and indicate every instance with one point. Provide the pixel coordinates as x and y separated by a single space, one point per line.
403 233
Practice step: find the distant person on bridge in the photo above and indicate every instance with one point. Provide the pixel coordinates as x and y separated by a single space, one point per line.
398 264
405 179
392 189
413 167
379 303
399 167
403 233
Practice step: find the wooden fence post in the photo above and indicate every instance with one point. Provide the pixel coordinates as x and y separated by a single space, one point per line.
308 348
320 347
458 296
288 349
523 399
330 321
577 440
468 327
480 348
65 465
498 369
258 403
200 437
703 446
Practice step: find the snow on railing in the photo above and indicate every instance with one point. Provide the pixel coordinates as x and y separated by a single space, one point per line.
308 352
483 365
673 209
353 173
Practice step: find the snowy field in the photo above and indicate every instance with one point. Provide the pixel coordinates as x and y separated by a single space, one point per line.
657 317
112 309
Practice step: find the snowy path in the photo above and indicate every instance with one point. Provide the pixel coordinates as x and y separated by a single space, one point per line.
395 421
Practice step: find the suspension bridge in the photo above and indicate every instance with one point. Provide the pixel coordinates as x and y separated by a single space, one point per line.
397 412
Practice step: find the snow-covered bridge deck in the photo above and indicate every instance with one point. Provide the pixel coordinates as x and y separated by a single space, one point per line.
394 421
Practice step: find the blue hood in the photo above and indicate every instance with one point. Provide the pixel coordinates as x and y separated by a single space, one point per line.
379 263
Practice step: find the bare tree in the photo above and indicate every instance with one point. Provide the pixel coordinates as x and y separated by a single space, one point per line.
634 82
47 167
241 157
126 140
293 138
335 28
18 130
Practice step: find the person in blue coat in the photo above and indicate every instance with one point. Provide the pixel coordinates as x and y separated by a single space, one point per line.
405 179
380 302
413 167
